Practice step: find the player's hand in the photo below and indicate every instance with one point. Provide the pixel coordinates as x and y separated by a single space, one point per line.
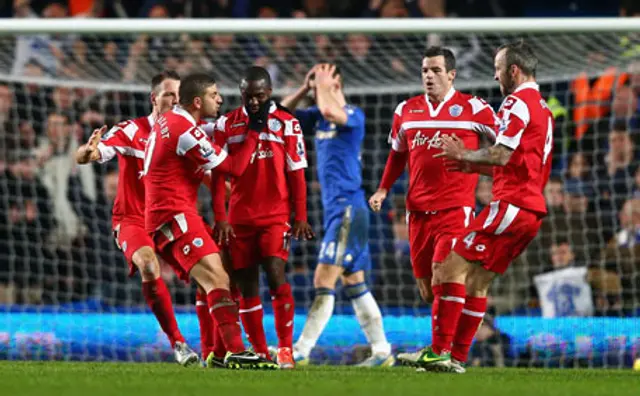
223 232
309 79
91 152
302 230
452 148
258 120
325 75
375 202
457 166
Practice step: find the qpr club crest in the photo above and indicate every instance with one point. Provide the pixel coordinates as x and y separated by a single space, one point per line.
455 110
274 125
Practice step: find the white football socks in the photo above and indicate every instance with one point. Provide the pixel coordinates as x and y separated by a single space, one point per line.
317 319
370 319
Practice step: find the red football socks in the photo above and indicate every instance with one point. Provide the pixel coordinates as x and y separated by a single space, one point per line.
224 312
283 310
449 309
207 328
437 292
158 299
251 313
470 320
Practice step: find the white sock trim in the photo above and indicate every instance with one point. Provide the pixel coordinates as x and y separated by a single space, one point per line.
453 299
473 313
252 309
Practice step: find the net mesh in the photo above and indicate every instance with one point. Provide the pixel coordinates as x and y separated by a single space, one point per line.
56 247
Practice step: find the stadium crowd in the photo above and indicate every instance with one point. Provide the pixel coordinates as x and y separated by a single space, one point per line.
55 238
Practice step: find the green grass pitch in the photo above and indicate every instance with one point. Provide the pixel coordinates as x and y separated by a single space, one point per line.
95 379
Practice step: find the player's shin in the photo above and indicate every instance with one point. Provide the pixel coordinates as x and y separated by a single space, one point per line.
317 319
370 318
158 299
435 305
207 328
224 312
251 313
450 307
470 320
283 309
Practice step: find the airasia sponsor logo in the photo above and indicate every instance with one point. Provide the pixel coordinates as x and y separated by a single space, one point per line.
434 141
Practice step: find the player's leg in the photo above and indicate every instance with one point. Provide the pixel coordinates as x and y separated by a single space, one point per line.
251 310
324 283
369 316
188 246
510 236
274 244
475 305
137 247
246 272
283 308
210 274
327 272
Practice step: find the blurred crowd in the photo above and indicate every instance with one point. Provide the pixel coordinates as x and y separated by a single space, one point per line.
55 239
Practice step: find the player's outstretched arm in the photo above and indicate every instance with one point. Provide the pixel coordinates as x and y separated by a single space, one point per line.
236 164
89 151
453 148
396 164
291 101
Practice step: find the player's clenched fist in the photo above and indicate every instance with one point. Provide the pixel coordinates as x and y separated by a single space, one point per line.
375 202
302 230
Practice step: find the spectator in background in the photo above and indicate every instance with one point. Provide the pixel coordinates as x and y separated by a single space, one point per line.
578 175
59 146
622 253
491 347
615 178
25 222
624 108
45 49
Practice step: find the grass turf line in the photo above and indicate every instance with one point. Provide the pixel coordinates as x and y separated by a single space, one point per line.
97 379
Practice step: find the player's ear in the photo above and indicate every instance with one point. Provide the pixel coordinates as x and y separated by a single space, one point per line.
152 98
452 74
197 102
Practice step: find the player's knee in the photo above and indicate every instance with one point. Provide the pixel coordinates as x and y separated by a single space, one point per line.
478 282
147 264
426 292
326 276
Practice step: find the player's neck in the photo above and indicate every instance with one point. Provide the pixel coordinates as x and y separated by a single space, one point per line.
521 80
437 98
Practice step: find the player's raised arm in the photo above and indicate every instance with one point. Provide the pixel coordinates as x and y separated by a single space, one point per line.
329 95
396 163
291 101
90 151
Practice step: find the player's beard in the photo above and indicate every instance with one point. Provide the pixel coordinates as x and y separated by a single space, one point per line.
507 85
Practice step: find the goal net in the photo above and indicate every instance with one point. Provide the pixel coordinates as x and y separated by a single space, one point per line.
571 299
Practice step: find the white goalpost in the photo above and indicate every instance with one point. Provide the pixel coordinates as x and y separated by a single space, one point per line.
572 299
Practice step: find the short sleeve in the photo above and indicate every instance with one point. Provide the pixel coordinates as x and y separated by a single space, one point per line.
355 117
513 120
308 117
199 149
117 139
294 146
397 137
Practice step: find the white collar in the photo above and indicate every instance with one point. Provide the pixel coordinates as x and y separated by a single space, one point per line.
272 108
530 84
151 120
434 112
179 110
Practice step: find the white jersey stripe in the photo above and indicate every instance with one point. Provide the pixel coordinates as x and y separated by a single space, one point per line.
509 217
